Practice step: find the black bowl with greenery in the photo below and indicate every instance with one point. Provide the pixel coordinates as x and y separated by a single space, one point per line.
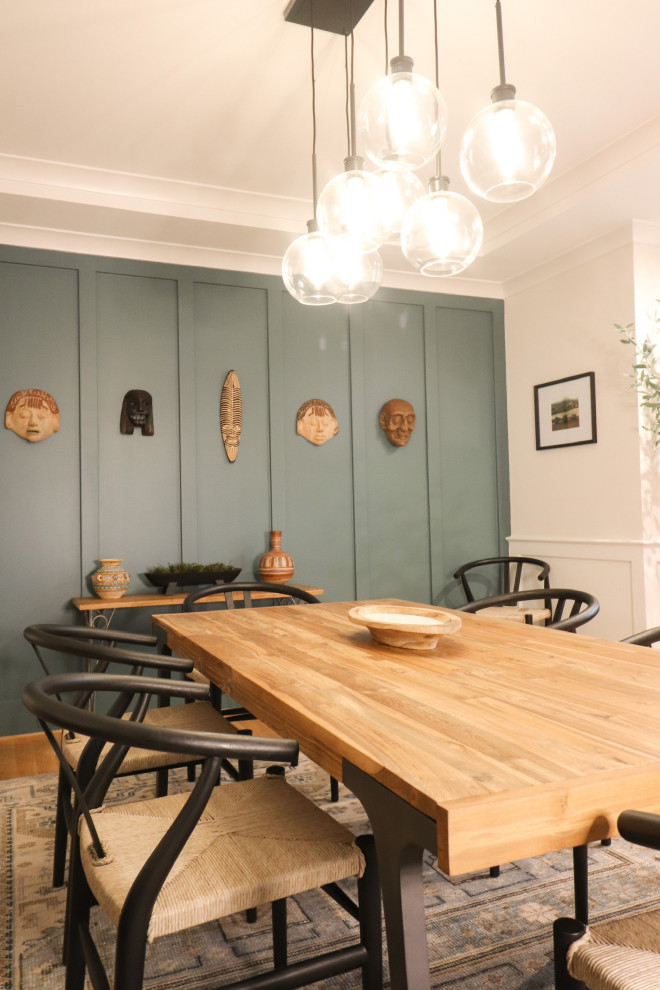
175 576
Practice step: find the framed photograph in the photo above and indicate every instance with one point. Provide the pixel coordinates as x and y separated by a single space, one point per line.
565 411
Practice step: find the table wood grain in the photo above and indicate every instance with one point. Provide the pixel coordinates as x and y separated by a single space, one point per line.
516 740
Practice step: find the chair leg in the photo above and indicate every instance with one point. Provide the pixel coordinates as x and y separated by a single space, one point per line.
245 767
494 871
278 909
371 929
61 829
161 782
334 789
565 931
79 903
130 950
191 773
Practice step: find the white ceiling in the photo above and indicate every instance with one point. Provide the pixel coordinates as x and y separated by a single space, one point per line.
181 129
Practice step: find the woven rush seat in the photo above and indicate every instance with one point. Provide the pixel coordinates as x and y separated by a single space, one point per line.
257 836
623 954
161 866
101 649
200 716
618 954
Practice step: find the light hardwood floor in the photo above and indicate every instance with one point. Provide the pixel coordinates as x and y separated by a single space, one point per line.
25 756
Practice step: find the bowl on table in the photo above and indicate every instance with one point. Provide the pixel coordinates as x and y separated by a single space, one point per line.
406 627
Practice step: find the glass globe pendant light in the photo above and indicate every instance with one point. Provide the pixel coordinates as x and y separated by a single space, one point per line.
442 232
509 148
308 268
360 272
349 206
402 118
398 192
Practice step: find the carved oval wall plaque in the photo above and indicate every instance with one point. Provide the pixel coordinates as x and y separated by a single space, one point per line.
231 415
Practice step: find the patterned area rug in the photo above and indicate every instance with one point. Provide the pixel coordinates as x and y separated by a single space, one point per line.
483 933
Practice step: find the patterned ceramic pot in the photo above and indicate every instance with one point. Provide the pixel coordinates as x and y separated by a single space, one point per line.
276 566
111 580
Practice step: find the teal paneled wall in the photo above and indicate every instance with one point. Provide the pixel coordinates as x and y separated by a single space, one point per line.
39 482
361 518
393 542
139 516
317 523
467 434
233 499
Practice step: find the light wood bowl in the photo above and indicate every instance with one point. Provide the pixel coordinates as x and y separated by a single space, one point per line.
406 627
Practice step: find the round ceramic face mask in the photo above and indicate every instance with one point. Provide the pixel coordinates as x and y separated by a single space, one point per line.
316 422
397 420
32 415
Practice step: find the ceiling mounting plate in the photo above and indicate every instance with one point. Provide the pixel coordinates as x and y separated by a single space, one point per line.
337 16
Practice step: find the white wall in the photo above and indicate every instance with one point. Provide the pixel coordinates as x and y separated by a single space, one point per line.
580 507
647 292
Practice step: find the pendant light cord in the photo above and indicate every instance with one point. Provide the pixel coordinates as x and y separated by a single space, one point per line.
387 47
438 157
500 41
348 125
314 180
401 46
350 96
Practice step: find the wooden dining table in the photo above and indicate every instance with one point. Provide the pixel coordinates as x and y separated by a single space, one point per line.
505 741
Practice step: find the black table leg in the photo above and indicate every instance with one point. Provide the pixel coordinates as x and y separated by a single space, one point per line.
401 834
581 883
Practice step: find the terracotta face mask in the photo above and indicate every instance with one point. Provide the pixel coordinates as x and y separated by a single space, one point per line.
316 422
397 420
32 415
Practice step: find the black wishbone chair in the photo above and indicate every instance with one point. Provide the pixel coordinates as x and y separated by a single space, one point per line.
568 608
618 954
645 638
292 593
98 648
199 856
500 575
246 588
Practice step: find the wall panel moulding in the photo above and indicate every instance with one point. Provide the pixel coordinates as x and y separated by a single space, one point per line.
337 16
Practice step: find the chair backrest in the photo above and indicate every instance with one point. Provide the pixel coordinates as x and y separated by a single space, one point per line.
578 606
99 645
293 594
500 575
43 697
646 638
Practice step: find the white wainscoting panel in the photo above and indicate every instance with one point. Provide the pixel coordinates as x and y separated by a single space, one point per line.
612 570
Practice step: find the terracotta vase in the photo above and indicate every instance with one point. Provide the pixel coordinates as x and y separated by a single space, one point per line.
276 566
111 580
